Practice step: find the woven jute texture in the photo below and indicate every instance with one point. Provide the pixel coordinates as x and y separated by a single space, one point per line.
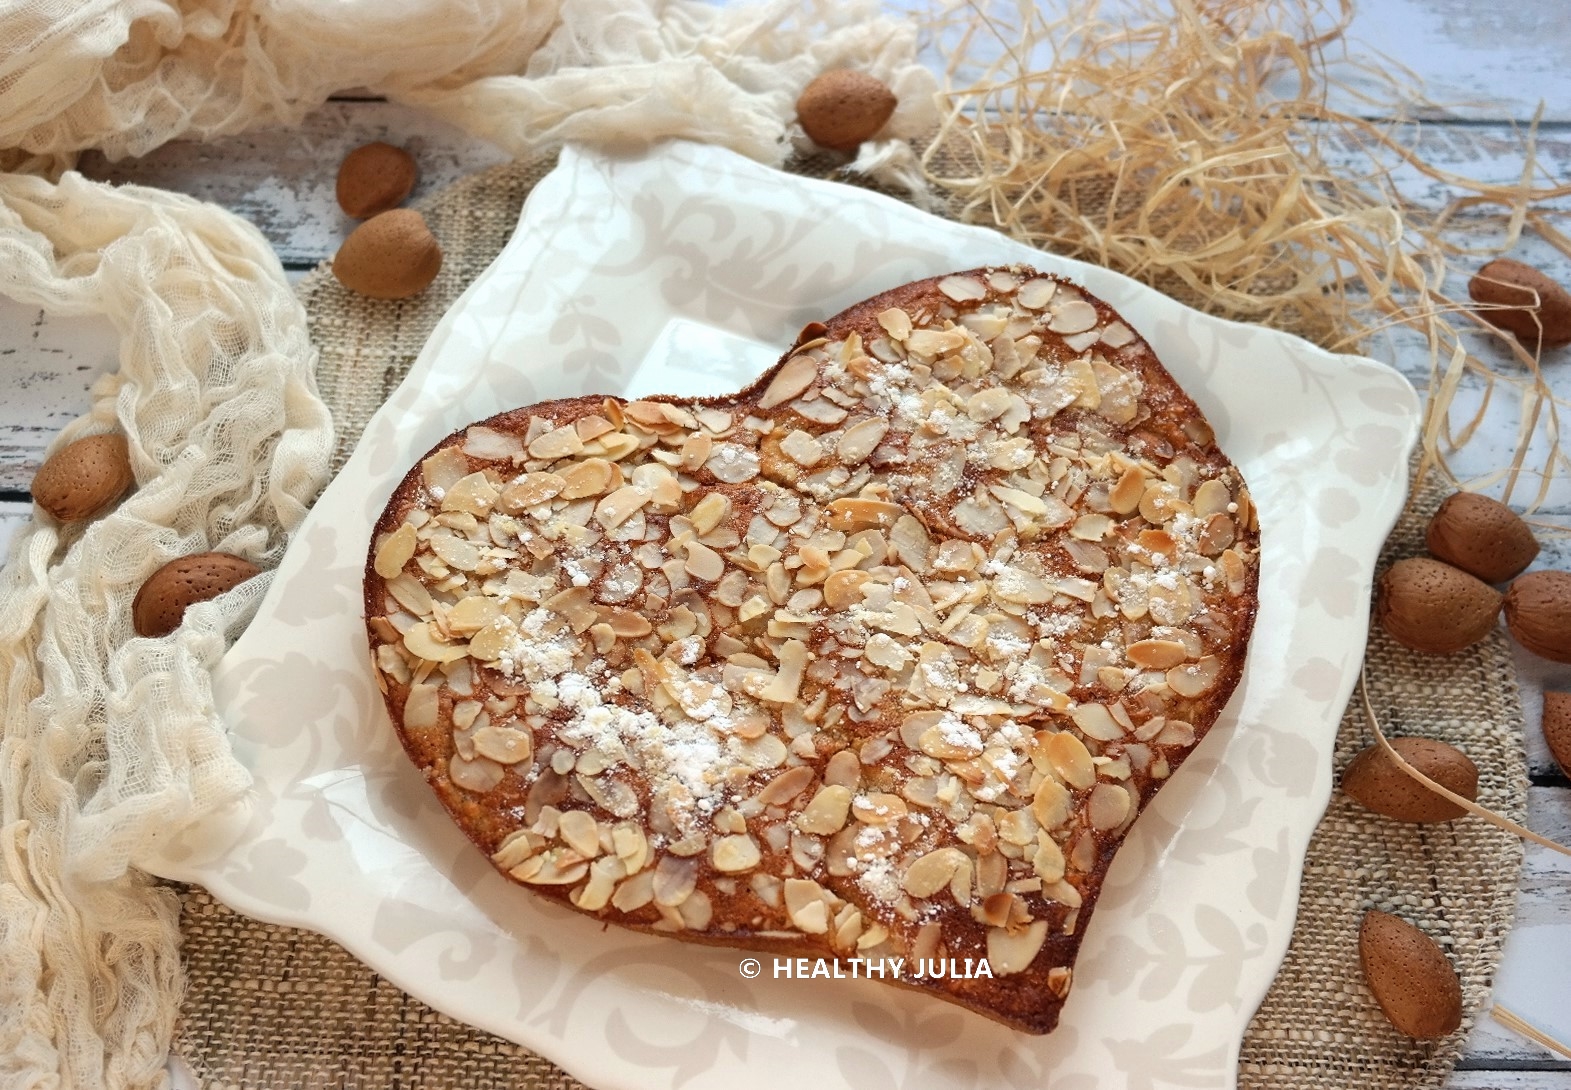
274 1007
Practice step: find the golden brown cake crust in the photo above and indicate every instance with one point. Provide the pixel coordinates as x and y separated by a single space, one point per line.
879 658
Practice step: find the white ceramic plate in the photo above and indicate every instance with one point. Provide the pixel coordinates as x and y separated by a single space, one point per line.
688 271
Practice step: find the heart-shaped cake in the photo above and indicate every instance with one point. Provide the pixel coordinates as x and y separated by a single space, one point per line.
878 659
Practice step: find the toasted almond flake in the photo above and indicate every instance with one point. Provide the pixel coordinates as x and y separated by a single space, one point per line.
674 880
395 552
504 745
590 477
860 439
620 505
704 563
479 775
1048 859
783 688
1020 501
932 872
1193 679
1073 316
456 552
529 490
802 448
1126 494
786 786
988 404
1157 654
1211 498
1014 585
732 464
1097 722
827 812
1036 294
792 379
1050 804
856 514
560 442
423 642
896 322
1108 807
736 853
581 832
878 808
1071 760
963 289
1009 953
473 613
1091 527
422 706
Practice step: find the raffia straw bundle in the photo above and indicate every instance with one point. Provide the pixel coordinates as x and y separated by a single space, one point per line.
1187 143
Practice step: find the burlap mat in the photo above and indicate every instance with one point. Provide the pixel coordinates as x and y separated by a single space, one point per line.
274 1007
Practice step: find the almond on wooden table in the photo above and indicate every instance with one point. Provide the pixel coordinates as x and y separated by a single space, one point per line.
375 178
1525 302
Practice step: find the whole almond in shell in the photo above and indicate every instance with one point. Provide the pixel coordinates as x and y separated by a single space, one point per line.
1538 613
1410 977
374 178
390 256
1375 782
1430 606
160 605
842 108
84 478
1481 536
1557 728
1512 284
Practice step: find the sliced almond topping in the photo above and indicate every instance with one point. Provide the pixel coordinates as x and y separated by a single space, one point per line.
1211 498
963 289
473 613
1074 316
423 642
736 853
933 871
395 551
590 477
1190 681
843 589
896 322
580 832
1157 654
559 443
1036 294
709 512
788 680
620 505
878 808
1097 722
504 745
860 439
852 515
802 448
793 378
704 563
827 812
786 786
1125 496
1070 760
1009 953
1109 806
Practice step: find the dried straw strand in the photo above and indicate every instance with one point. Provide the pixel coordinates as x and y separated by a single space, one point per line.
1190 146
1517 1024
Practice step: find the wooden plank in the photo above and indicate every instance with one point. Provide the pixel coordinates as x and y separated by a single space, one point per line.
49 366
1468 1078
1541 936
13 517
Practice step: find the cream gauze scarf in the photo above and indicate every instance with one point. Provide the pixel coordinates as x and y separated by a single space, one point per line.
110 740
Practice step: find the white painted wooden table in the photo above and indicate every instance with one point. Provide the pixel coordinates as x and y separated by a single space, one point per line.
1493 64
